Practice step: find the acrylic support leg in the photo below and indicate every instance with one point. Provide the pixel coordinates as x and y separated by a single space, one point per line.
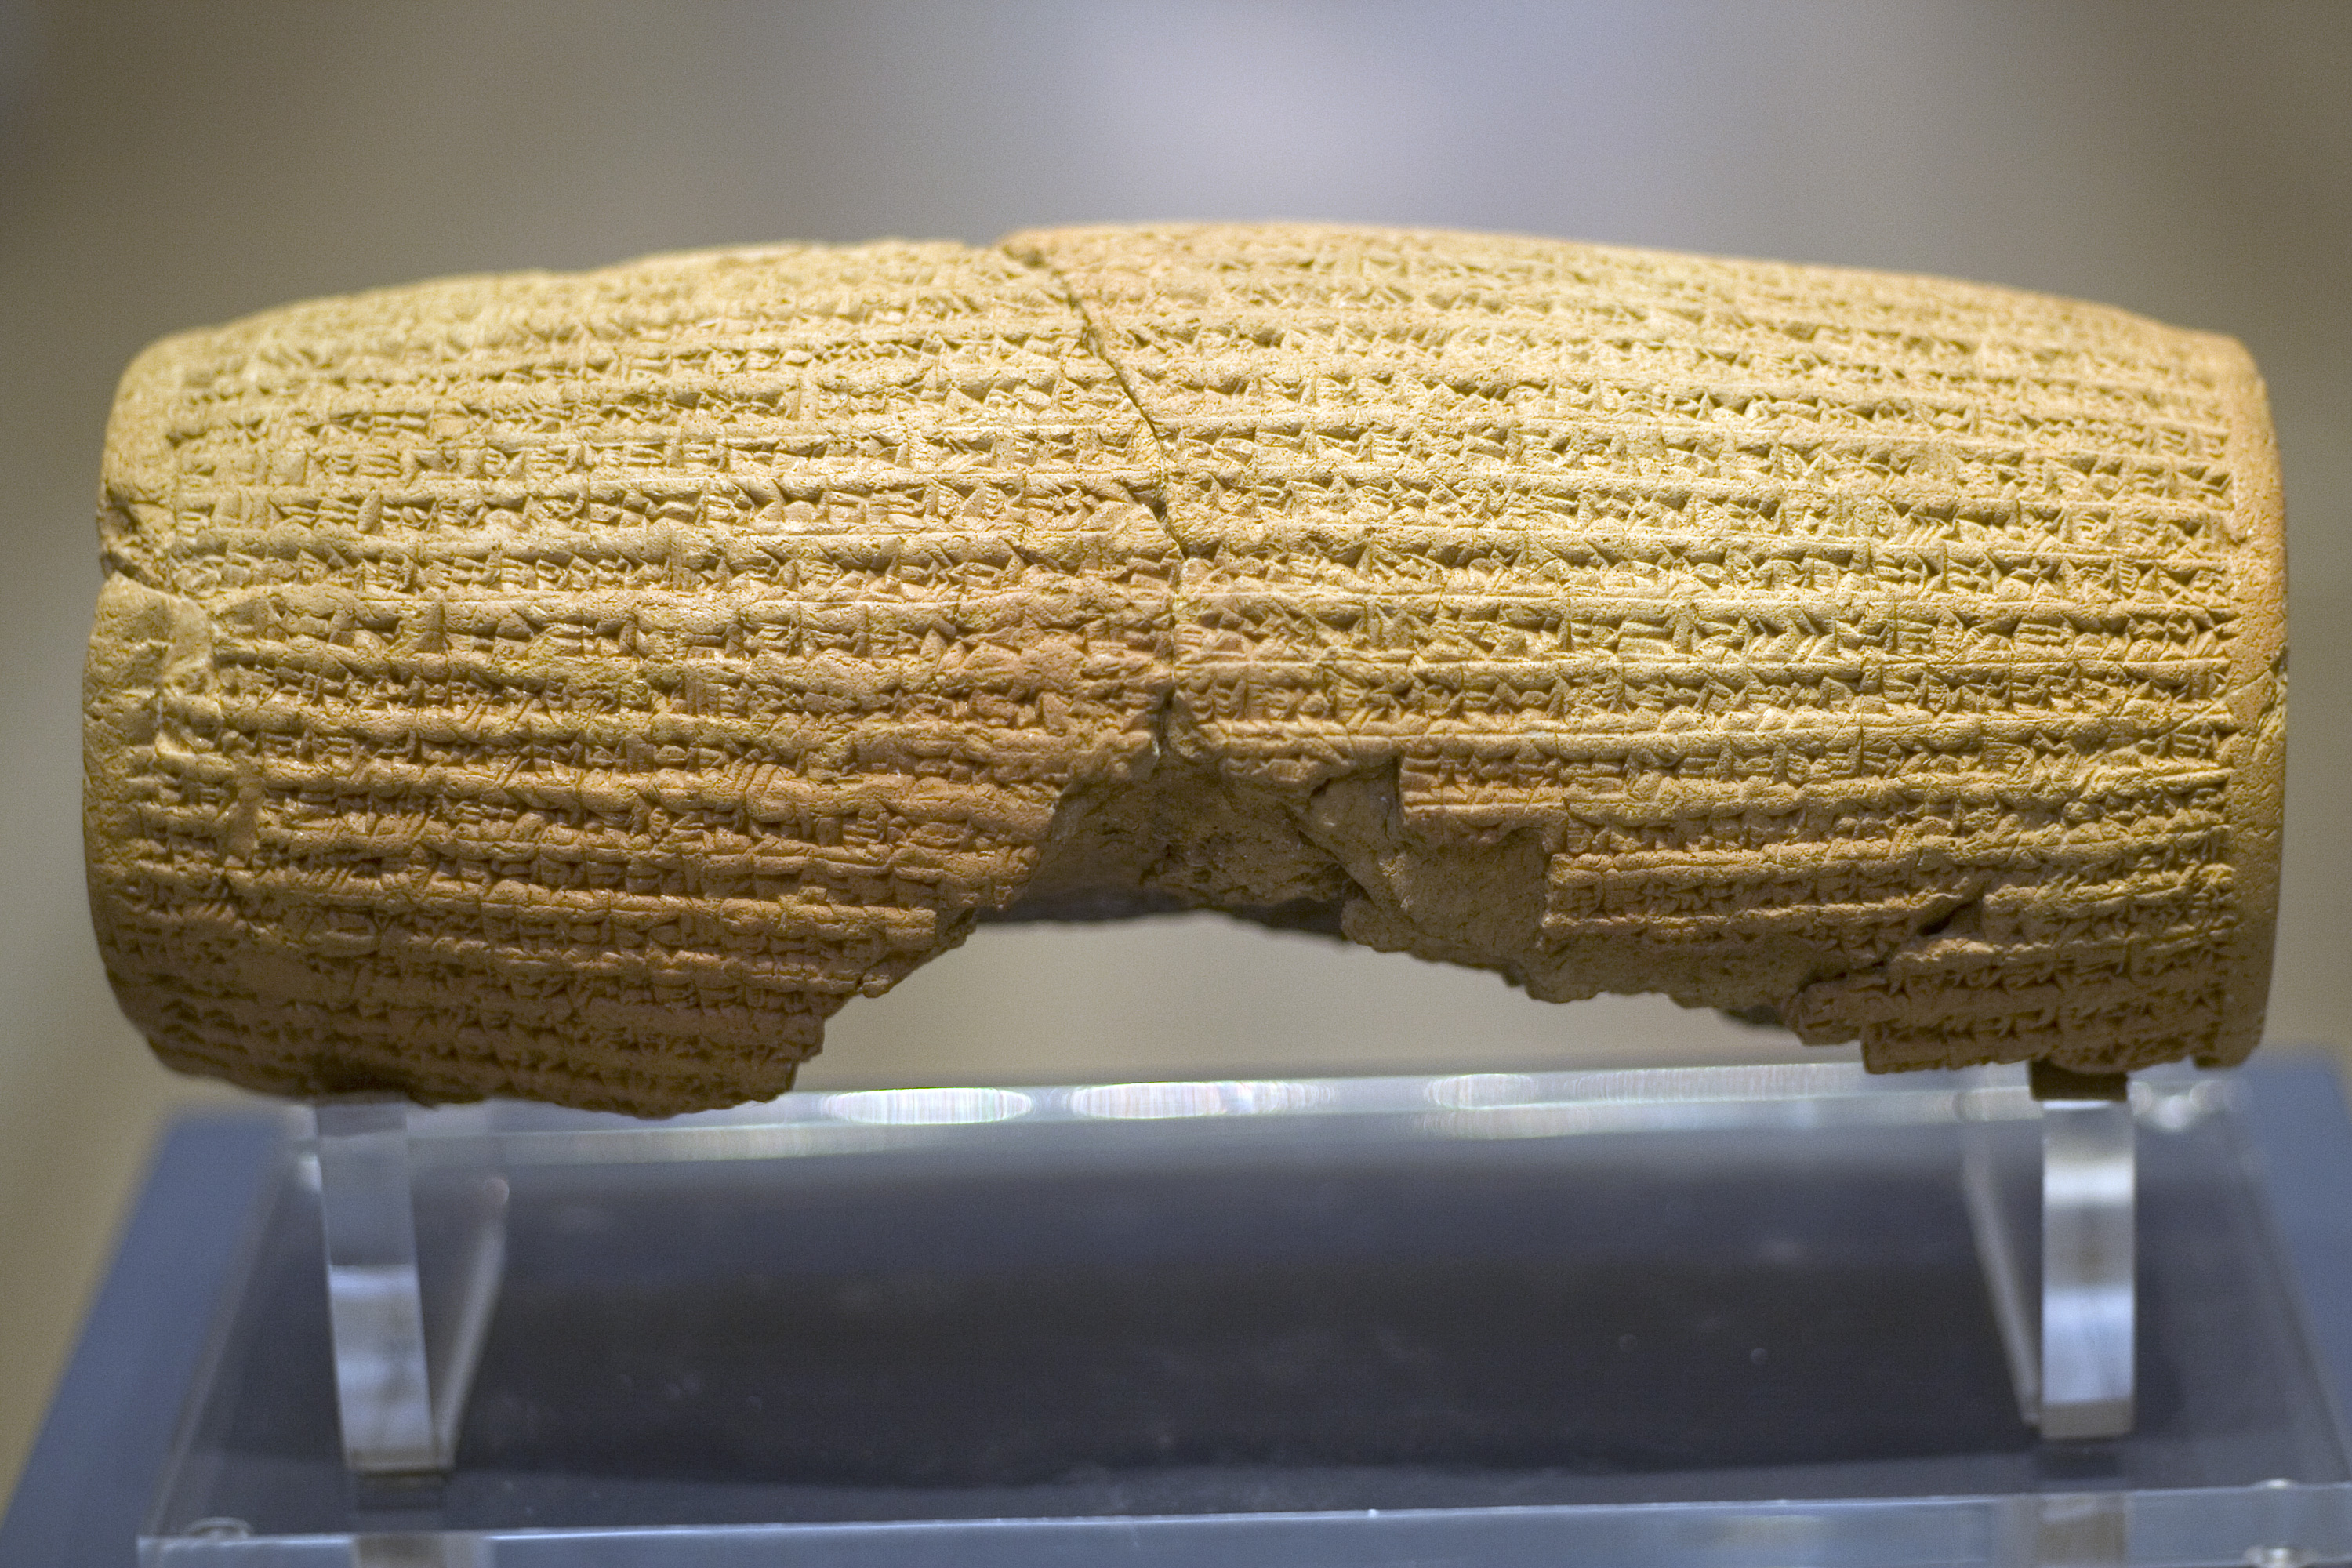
2067 1308
408 1310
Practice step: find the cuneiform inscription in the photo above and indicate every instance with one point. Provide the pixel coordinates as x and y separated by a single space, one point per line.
579 685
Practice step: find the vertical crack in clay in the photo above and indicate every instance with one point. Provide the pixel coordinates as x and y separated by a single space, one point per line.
1156 501
1166 710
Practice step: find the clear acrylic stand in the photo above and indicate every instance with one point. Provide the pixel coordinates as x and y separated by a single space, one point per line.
2067 1309
1712 1315
408 1321
406 1337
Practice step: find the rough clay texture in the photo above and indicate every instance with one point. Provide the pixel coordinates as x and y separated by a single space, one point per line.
578 687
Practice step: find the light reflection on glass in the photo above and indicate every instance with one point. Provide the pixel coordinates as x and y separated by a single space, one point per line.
1479 1090
1155 1102
2178 1108
928 1107
1471 1105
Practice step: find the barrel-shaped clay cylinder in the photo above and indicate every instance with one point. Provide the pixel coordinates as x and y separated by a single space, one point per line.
579 687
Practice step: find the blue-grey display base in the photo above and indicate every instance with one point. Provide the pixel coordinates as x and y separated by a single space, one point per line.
1194 1345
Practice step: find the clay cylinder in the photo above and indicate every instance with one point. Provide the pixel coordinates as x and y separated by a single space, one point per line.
578 687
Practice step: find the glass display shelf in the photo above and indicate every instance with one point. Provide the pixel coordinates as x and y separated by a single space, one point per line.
1728 1316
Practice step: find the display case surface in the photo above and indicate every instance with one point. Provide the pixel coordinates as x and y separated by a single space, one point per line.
1483 1319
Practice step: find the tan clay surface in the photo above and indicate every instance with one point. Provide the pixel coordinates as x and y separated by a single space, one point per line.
580 687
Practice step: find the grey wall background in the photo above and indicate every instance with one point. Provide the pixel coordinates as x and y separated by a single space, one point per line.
169 164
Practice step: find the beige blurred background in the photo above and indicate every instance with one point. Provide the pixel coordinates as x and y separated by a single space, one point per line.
164 165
